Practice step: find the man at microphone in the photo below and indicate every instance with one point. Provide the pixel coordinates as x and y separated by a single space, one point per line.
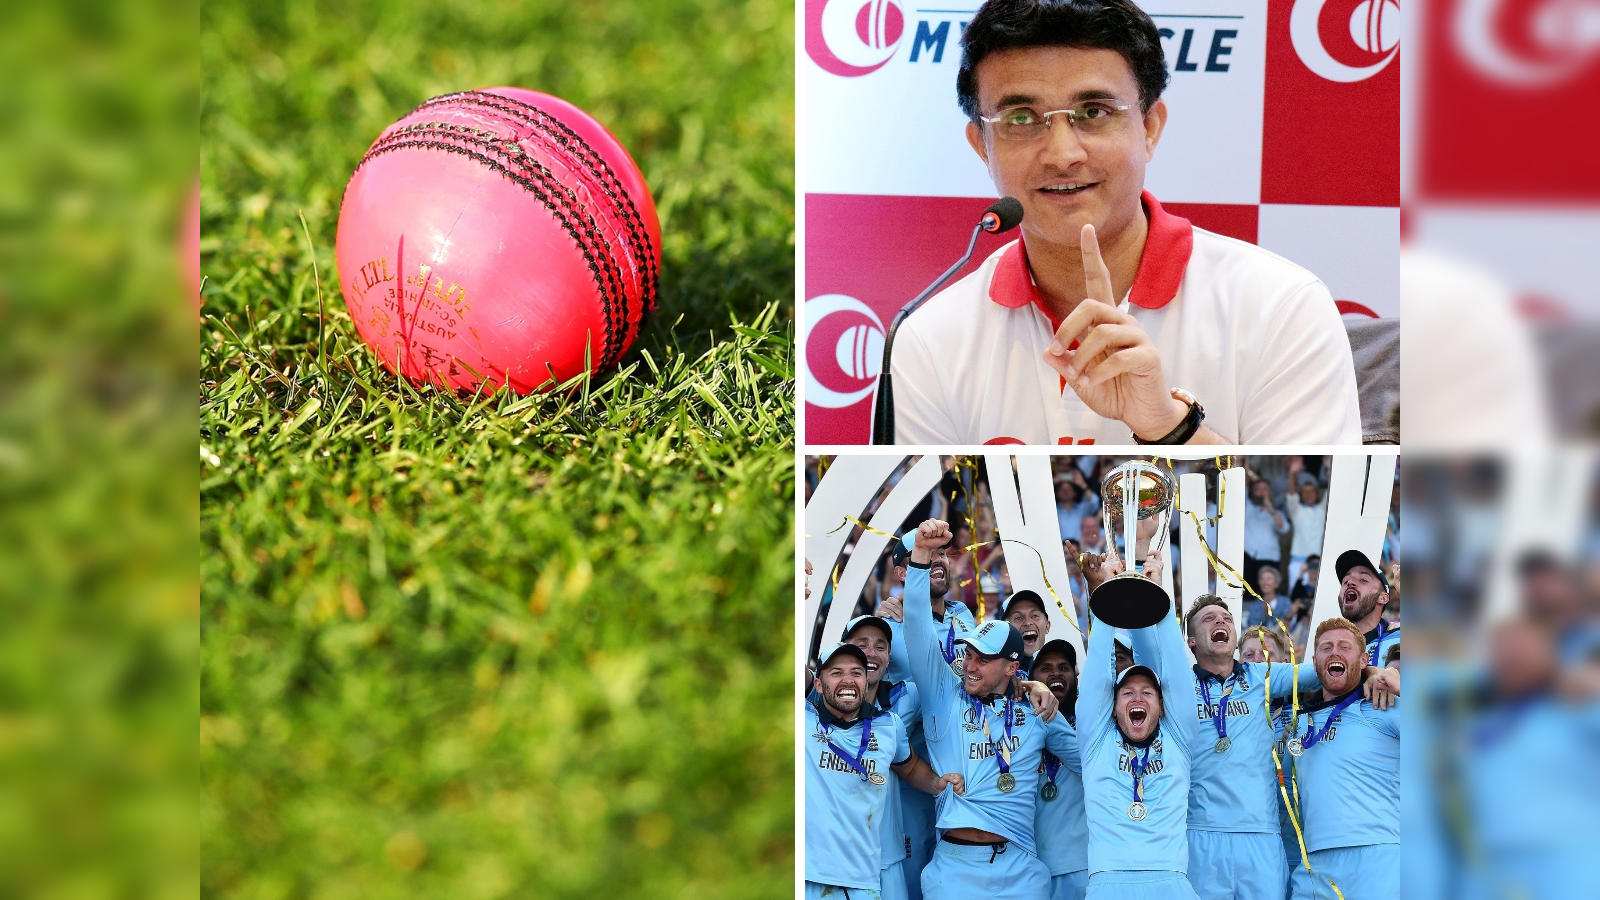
1110 320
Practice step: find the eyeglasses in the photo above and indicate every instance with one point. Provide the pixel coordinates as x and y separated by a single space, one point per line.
1021 123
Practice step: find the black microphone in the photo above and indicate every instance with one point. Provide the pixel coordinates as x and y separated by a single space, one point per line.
1002 215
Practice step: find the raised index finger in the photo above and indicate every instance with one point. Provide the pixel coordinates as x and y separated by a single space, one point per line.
1096 277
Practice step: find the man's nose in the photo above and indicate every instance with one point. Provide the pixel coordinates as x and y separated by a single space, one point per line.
1062 145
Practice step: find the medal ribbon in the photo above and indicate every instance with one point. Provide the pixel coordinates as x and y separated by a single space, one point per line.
1002 756
1313 733
1220 720
1138 767
856 762
1377 645
1052 765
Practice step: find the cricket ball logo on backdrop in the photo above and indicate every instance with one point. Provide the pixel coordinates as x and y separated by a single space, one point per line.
1345 40
1528 43
850 38
843 351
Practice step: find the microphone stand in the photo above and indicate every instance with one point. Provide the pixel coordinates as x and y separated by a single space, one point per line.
883 403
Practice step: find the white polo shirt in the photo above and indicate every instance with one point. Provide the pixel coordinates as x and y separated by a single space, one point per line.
1256 339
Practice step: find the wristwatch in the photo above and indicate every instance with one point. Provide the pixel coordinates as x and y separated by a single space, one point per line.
1185 429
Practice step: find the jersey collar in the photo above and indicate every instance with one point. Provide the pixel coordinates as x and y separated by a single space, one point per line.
1167 247
1204 673
1388 629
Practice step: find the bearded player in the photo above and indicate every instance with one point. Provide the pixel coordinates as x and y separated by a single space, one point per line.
847 793
1363 598
976 723
1347 760
1235 846
1059 823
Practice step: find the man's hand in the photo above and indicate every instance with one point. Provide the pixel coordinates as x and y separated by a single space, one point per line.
954 780
1382 687
1044 701
1115 368
1153 568
891 609
1098 568
931 535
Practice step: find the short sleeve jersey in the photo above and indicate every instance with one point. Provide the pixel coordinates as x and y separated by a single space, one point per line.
844 809
967 735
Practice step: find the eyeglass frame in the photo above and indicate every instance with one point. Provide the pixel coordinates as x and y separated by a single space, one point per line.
993 121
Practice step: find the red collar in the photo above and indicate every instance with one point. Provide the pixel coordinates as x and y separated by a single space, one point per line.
1167 248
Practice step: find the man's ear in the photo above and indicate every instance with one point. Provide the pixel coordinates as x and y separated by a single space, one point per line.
975 138
1155 121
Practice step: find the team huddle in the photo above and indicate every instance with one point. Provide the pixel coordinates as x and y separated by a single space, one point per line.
947 758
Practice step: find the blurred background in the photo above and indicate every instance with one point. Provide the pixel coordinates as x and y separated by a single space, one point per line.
1501 402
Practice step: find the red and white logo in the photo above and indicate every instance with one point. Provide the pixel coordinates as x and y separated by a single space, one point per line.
843 351
853 37
1528 44
1345 40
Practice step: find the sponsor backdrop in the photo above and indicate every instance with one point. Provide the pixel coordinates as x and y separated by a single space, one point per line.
1283 130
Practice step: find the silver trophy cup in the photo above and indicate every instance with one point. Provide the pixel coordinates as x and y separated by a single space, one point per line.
1136 502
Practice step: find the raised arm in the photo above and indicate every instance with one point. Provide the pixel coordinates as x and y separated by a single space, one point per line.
927 664
1094 684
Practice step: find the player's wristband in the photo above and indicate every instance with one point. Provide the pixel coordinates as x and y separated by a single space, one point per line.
1185 429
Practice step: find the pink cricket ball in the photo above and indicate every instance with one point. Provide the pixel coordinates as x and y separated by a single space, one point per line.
499 236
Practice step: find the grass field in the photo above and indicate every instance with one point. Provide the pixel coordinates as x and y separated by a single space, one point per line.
496 646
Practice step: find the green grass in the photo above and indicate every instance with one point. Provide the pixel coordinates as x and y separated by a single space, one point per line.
491 645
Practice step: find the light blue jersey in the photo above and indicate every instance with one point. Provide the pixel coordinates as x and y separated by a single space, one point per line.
844 810
1236 789
966 736
956 614
1059 822
1159 840
903 701
1379 640
1350 774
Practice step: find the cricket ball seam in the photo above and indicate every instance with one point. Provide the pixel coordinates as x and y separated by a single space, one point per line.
609 351
615 291
574 143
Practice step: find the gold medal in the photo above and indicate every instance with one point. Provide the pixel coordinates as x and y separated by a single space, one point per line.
1223 743
1048 792
1295 747
1007 782
1137 811
877 778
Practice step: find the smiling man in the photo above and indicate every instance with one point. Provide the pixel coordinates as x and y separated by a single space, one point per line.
977 725
1136 764
1363 595
1060 823
1347 759
1235 846
851 742
1026 613
873 636
1111 320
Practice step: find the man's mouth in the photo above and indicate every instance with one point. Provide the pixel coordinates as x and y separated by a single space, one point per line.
1219 636
1066 187
1058 683
1336 668
1030 636
846 693
1137 715
1349 595
872 667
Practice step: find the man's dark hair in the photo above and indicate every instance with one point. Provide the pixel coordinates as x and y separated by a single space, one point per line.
1102 24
